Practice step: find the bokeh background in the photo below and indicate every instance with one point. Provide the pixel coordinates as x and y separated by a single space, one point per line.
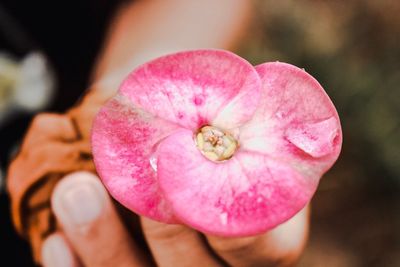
352 47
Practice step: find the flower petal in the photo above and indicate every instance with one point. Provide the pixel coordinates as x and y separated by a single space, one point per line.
245 195
191 88
124 143
295 121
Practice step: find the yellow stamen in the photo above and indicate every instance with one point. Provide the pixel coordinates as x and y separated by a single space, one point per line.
215 144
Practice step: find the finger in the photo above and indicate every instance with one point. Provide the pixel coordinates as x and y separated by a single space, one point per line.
91 224
176 245
57 253
49 126
279 247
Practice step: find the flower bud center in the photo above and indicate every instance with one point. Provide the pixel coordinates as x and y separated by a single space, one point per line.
215 144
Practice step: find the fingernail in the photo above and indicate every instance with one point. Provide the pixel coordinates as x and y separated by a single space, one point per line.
56 253
82 204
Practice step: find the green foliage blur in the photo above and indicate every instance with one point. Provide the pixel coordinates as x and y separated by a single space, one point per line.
353 49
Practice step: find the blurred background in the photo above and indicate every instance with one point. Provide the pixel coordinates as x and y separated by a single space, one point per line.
352 47
47 49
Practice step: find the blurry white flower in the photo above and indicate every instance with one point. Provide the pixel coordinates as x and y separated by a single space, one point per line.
24 85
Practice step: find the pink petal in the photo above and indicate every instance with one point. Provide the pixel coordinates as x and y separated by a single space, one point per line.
191 88
247 194
295 121
124 140
316 139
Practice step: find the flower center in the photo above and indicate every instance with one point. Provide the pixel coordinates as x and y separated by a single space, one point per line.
215 144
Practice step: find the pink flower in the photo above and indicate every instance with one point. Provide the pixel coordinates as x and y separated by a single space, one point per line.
205 139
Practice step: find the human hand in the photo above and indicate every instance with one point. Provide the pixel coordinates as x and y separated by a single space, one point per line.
92 234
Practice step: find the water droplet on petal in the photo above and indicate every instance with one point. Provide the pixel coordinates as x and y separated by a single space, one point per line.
153 162
316 138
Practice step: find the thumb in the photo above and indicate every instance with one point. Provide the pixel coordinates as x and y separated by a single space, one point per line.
91 223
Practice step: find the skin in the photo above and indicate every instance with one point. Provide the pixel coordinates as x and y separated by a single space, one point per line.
91 232
93 235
